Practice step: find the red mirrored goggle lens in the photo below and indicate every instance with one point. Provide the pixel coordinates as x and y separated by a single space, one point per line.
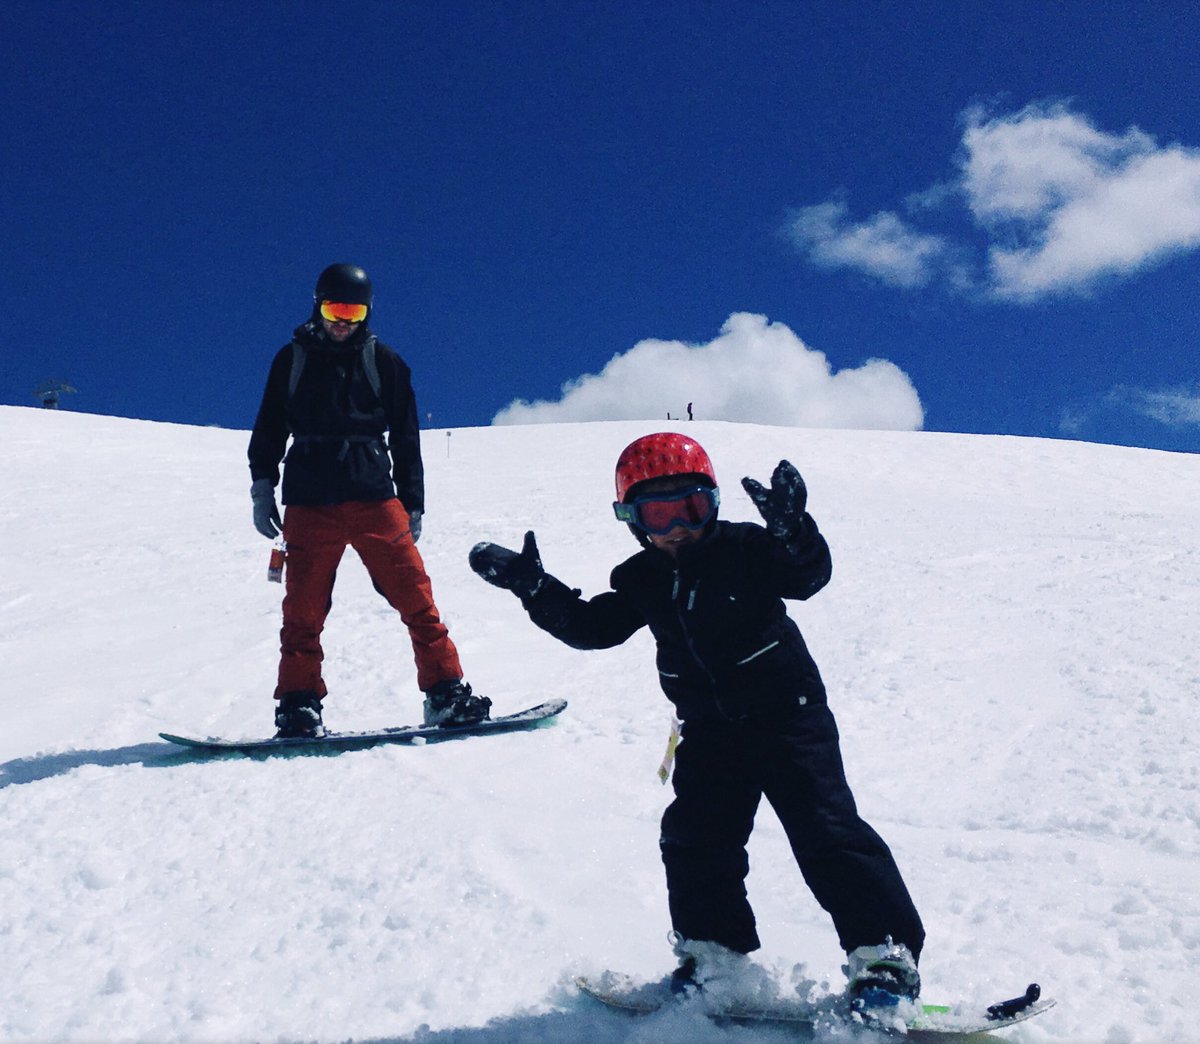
658 515
344 313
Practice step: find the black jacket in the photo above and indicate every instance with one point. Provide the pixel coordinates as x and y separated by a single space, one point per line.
338 453
726 646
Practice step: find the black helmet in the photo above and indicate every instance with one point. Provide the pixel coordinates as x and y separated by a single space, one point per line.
346 284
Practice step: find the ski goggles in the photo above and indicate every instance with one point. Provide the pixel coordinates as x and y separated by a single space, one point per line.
343 313
659 513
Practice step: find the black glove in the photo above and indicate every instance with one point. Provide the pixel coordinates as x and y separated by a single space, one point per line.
266 512
522 574
782 506
414 524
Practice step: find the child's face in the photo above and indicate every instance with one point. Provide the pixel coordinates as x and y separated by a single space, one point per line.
672 542
680 537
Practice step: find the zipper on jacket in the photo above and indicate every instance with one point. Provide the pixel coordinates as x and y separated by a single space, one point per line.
680 613
755 656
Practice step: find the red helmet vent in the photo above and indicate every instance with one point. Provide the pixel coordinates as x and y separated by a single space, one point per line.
658 456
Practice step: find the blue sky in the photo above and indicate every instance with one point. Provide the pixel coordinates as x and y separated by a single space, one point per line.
956 216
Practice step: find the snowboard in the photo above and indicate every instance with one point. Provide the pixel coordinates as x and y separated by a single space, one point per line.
929 1021
530 718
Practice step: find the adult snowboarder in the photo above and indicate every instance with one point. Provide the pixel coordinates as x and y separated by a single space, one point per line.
337 390
752 703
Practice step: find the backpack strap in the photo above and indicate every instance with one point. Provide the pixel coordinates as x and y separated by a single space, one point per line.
299 354
371 367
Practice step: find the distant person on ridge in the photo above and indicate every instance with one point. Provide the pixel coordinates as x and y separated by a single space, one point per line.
336 390
753 707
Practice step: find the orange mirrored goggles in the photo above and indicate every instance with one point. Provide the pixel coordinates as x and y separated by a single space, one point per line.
343 313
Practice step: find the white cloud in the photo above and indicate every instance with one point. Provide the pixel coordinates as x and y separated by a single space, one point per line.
1073 420
882 246
1080 204
1174 407
1022 166
1061 203
755 371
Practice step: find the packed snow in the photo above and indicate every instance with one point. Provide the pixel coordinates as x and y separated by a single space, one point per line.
1009 641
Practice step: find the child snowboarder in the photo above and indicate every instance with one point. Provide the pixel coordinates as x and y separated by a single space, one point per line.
752 704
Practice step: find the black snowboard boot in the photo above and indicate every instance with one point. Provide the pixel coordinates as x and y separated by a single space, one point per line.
683 978
298 716
452 703
704 963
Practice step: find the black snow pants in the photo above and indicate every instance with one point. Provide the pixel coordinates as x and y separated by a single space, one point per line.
722 771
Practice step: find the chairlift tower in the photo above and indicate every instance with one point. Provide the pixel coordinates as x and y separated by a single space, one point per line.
48 392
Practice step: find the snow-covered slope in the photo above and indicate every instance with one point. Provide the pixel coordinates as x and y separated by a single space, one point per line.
1009 642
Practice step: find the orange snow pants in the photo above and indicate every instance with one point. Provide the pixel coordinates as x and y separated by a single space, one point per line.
317 537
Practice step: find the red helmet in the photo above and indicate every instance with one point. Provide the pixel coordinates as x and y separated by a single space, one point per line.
657 456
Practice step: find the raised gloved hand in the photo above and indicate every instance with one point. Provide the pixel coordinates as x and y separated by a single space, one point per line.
522 574
414 524
782 506
266 511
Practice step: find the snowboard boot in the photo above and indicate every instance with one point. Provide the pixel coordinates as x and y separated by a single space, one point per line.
683 978
710 968
882 976
298 715
453 703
